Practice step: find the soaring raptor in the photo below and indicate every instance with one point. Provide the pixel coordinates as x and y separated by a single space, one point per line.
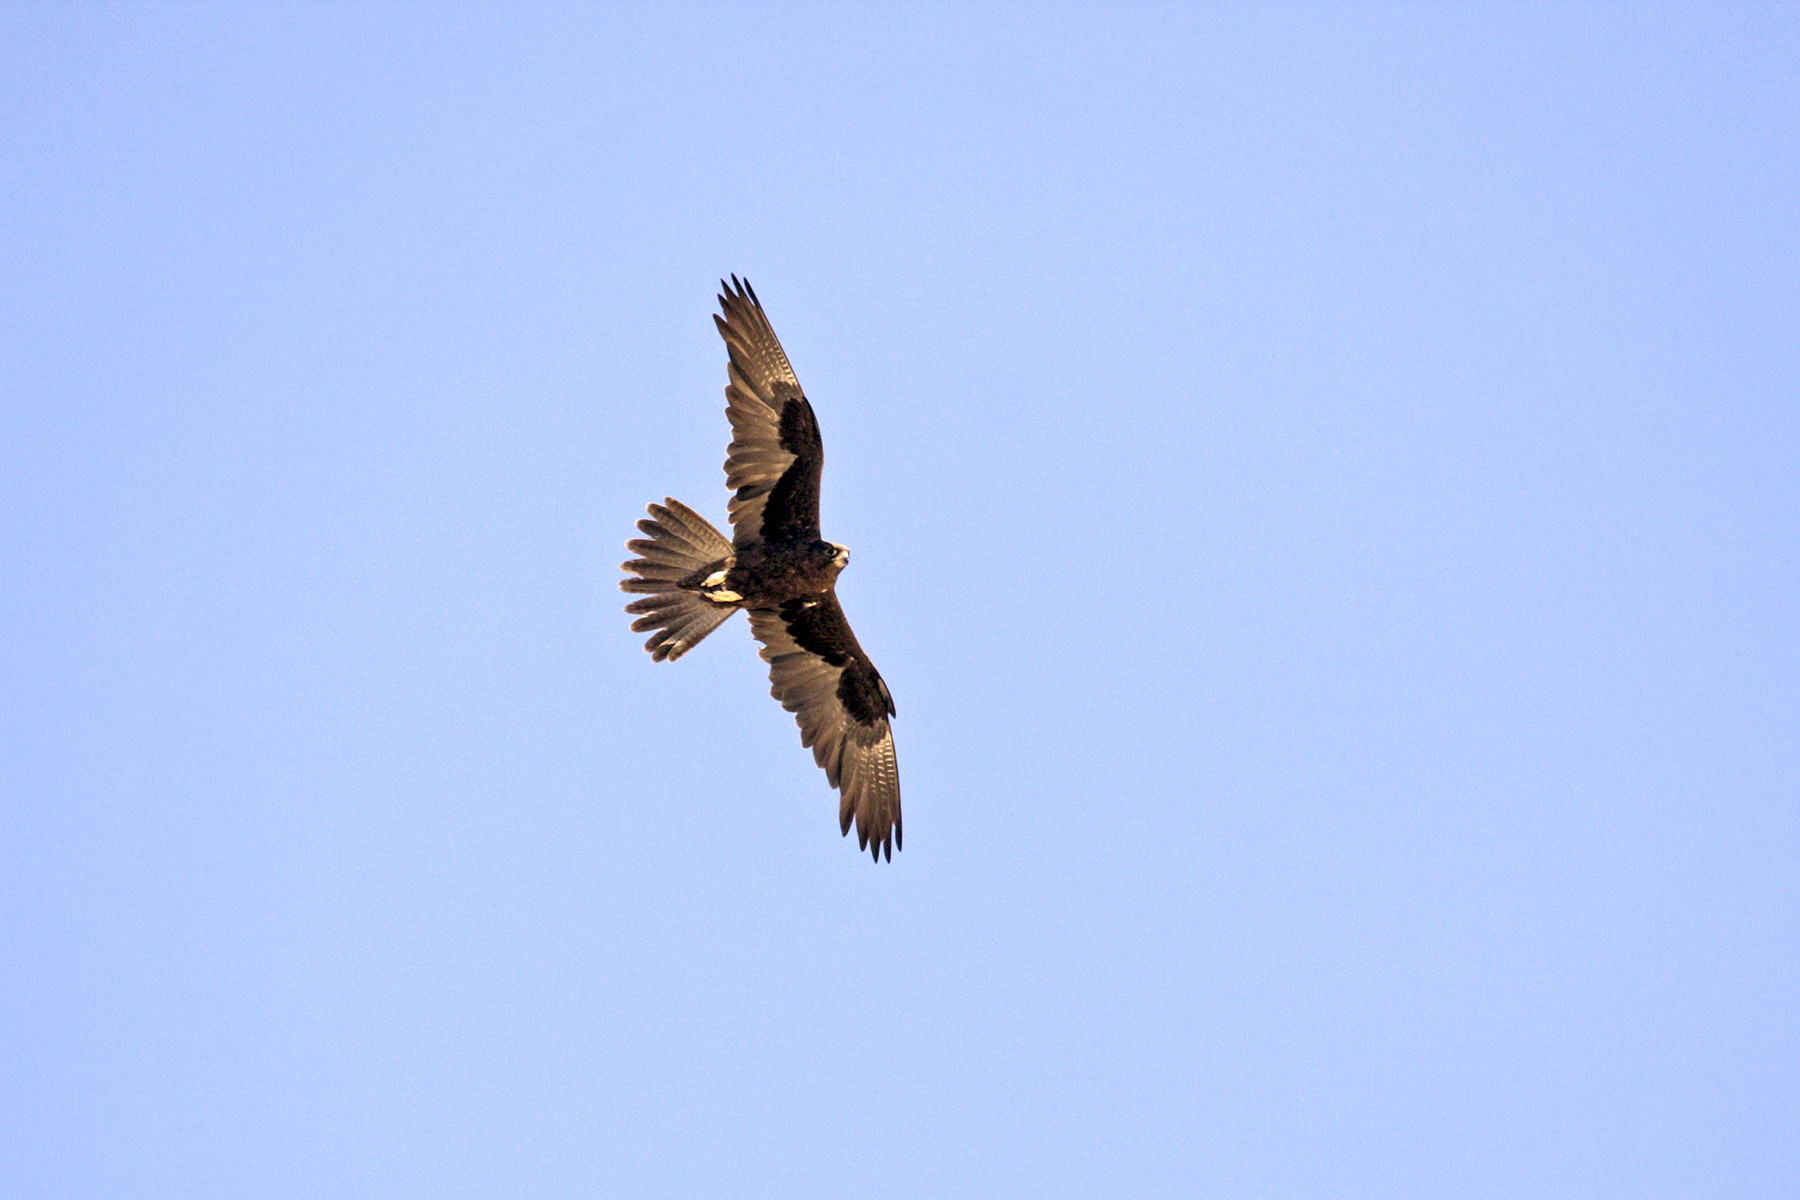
778 569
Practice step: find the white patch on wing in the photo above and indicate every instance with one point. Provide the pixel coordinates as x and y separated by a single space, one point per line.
722 596
713 580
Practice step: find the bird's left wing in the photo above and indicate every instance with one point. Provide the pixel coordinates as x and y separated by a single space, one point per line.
821 675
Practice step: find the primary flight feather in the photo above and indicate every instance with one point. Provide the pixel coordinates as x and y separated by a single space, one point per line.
778 569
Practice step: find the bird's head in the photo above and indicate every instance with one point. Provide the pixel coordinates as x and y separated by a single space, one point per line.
840 555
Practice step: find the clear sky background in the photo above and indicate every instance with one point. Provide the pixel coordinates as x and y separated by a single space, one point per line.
1323 486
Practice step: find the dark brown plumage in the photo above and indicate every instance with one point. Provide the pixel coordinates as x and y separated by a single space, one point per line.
778 569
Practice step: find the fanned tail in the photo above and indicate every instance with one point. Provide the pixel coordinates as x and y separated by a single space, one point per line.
682 547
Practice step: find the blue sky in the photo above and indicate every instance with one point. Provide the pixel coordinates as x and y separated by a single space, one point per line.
1322 483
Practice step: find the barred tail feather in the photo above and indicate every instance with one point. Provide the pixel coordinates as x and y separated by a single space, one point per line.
679 621
681 543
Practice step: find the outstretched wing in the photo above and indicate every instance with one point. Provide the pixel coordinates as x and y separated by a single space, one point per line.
822 676
772 466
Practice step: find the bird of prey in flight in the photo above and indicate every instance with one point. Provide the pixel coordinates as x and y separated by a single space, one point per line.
777 569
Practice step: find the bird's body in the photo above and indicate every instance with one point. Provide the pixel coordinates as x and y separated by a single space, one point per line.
778 569
767 574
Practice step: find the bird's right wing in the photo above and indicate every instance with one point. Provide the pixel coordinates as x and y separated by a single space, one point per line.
821 675
772 466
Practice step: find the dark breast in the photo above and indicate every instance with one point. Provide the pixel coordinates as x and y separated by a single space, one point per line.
768 574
